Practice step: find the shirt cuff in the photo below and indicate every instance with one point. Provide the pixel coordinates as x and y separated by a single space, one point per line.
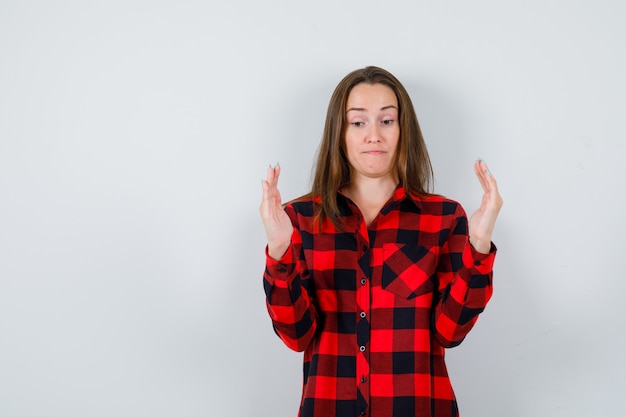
481 262
280 269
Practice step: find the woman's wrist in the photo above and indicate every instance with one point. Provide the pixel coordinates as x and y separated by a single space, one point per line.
276 252
481 245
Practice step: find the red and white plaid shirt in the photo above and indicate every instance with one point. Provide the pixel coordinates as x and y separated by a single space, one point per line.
374 307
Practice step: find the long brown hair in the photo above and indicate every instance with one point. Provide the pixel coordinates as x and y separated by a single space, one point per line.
332 170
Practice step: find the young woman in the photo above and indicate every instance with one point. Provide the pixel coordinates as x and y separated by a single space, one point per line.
370 274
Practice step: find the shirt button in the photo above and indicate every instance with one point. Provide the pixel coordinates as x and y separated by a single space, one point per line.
363 314
363 281
362 413
363 379
364 248
362 348
282 269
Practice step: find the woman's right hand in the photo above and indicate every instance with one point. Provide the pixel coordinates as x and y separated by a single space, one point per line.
277 224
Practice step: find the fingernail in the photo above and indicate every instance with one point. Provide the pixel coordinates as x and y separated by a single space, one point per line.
479 159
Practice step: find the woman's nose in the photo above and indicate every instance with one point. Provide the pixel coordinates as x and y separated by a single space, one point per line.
373 136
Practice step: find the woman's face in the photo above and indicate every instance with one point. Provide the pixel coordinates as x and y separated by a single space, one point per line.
372 131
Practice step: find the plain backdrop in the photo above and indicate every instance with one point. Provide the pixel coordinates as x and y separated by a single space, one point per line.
133 139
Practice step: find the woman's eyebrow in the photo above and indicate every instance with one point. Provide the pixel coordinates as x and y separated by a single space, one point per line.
364 109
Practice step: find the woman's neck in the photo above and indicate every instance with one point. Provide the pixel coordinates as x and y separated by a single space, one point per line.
371 194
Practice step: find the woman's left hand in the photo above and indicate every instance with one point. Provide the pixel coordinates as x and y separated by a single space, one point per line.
483 221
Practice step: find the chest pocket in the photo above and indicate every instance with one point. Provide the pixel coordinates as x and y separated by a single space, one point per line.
408 270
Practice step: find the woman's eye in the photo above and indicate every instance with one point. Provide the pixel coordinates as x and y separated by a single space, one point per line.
388 121
358 124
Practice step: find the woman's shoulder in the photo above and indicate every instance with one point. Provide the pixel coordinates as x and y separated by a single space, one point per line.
437 204
303 205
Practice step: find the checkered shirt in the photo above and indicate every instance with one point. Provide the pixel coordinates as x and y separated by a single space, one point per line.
373 308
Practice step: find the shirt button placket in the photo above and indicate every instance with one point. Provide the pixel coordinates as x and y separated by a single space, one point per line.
363 328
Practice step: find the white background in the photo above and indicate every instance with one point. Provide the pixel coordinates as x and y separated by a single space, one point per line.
133 139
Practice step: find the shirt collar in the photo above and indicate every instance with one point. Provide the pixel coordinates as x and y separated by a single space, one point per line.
399 195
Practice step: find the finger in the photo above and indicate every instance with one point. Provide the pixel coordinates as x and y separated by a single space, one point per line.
276 176
492 201
269 188
489 178
273 173
273 194
266 198
270 174
493 184
480 169
277 171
